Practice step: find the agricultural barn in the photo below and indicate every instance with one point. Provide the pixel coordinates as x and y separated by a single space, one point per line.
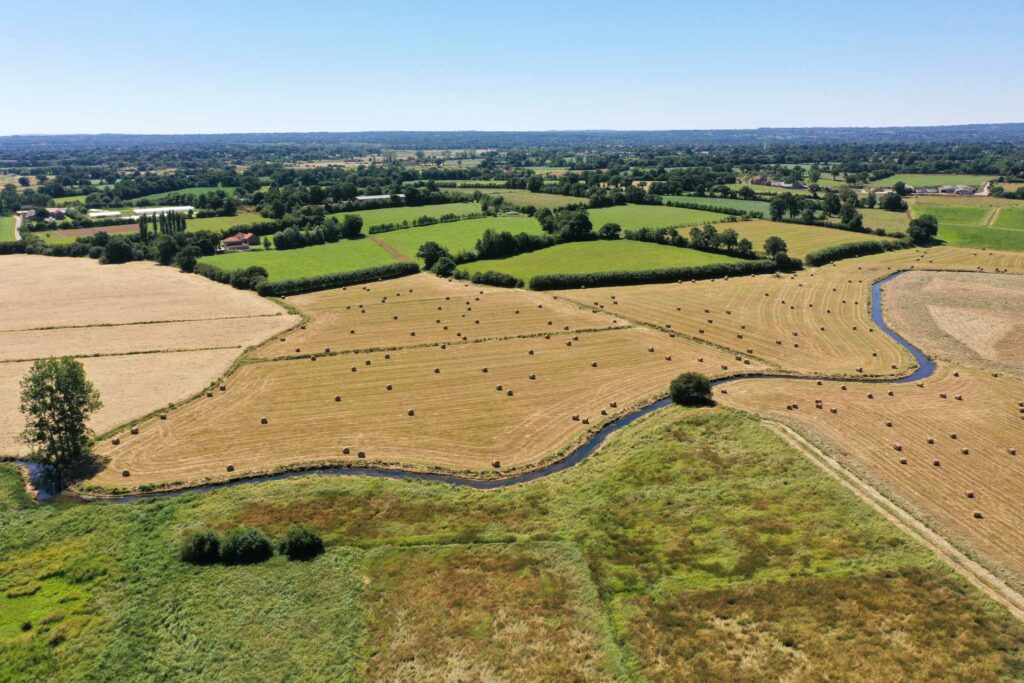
377 197
54 212
795 185
759 180
240 241
99 213
165 209
963 190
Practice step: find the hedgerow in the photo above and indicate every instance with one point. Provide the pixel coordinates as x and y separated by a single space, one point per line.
495 279
354 277
852 249
640 277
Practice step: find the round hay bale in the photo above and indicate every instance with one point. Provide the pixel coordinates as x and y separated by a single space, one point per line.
345 451
437 371
594 364
209 394
700 360
163 416
871 396
533 376
897 447
969 494
337 399
585 420
499 388
1012 451
888 423
115 442
496 464
388 387
368 362
936 463
978 515
361 454
484 370
891 393
942 395
965 451
958 397
510 392
819 383
603 411
903 461
223 387
125 473
931 440
952 435
668 357
614 404
230 468
575 418
263 421
312 357
411 412
297 349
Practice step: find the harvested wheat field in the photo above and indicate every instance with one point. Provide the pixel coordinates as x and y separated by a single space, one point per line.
814 322
461 407
424 309
971 318
951 447
148 336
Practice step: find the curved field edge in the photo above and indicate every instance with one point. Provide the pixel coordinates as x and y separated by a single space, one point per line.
697 534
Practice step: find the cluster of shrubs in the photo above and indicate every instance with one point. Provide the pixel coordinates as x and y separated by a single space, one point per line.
330 231
243 278
245 545
641 277
492 278
852 249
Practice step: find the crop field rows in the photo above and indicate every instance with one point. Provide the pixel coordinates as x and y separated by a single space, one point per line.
140 358
535 372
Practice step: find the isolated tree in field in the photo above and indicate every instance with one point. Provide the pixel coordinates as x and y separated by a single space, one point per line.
923 229
351 226
775 245
57 400
610 231
691 389
431 252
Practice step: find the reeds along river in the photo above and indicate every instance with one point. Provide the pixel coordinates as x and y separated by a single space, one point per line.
926 367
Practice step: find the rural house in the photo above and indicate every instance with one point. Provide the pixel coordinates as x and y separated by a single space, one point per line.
240 241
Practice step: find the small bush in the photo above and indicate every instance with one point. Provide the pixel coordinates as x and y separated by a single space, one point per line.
301 543
691 389
244 545
201 547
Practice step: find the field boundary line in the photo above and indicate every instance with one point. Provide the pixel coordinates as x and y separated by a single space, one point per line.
980 577
992 216
129 353
146 322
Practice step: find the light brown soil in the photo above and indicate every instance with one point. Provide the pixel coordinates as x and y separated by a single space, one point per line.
970 318
85 232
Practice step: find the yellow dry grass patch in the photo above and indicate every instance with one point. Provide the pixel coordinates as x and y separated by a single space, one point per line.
462 421
988 421
104 315
423 309
759 315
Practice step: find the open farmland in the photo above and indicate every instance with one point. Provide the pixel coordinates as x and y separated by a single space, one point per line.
1011 217
403 214
6 228
541 200
600 256
932 179
972 225
547 364
321 259
890 221
188 332
800 239
455 236
191 191
386 314
971 318
966 468
633 216
221 223
779 319
750 205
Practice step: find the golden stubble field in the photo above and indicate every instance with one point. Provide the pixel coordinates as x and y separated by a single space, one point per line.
472 404
814 322
148 336
974 462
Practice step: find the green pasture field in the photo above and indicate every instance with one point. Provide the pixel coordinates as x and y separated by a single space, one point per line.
633 216
1011 217
399 214
541 200
976 226
767 189
689 529
6 228
192 191
800 239
322 259
932 179
456 236
221 223
64 201
750 205
599 256
892 221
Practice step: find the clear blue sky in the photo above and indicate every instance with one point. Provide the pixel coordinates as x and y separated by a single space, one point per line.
295 65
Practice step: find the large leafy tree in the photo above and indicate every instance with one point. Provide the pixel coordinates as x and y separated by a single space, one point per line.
57 399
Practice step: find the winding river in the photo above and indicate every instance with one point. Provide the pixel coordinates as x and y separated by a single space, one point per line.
926 367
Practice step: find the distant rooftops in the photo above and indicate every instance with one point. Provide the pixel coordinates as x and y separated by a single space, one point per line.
377 197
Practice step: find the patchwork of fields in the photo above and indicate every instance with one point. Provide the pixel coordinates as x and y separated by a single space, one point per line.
141 357
401 214
633 216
